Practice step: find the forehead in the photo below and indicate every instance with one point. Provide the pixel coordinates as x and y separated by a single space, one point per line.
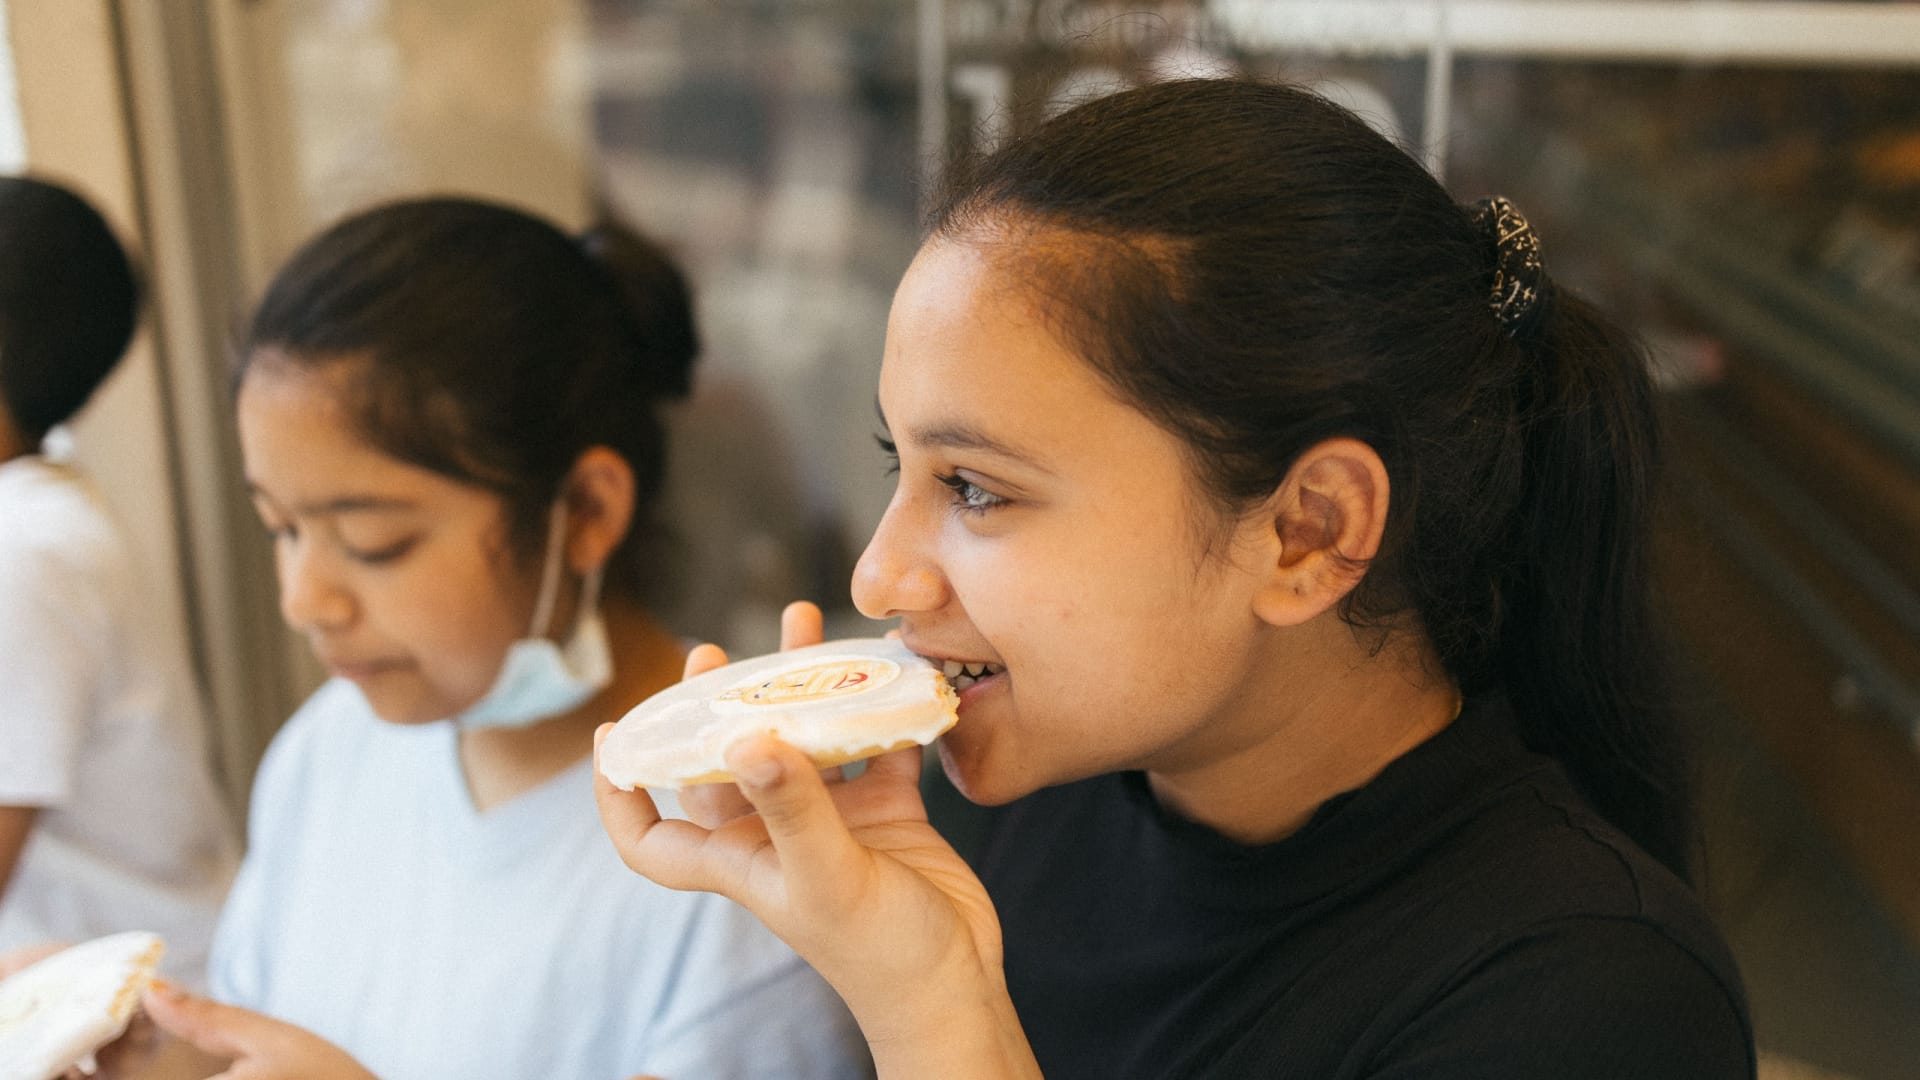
276 395
970 350
298 439
968 339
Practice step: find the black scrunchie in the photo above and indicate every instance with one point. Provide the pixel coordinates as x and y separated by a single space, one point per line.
1518 278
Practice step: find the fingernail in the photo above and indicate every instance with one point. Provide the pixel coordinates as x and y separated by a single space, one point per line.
166 991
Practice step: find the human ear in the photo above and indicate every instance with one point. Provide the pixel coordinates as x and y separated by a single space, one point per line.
599 490
1327 518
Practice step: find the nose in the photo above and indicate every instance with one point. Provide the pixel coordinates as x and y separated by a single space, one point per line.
897 575
311 596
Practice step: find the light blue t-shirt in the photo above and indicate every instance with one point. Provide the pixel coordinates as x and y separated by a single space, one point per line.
379 910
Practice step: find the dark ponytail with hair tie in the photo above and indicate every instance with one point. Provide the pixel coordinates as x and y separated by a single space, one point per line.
1575 624
1578 647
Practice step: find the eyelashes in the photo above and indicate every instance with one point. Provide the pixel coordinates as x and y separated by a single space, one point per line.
289 533
381 556
968 497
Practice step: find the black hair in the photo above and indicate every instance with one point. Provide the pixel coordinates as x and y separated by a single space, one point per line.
69 301
496 349
1258 271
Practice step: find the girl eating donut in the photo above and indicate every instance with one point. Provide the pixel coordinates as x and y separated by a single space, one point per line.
1291 528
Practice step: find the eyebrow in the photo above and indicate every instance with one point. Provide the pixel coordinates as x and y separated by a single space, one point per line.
345 504
958 437
963 437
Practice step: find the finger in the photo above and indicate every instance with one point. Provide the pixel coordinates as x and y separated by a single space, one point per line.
701 659
898 766
208 1025
713 805
816 850
801 624
667 852
25 957
624 814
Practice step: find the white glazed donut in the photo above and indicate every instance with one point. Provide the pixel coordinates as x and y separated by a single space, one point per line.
56 1013
837 702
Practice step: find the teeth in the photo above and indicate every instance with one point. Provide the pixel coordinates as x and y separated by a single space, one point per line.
964 673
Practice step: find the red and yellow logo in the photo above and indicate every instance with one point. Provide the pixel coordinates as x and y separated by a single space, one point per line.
835 678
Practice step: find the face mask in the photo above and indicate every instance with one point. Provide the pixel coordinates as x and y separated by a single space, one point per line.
540 678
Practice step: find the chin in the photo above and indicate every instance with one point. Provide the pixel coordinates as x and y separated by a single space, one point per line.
971 770
405 709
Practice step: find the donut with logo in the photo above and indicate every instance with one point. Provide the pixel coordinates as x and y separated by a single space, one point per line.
837 702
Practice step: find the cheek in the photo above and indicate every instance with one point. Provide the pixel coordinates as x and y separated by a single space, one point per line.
1145 625
457 627
1077 607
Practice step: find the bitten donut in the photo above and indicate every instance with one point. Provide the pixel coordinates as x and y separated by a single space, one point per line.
836 702
56 1013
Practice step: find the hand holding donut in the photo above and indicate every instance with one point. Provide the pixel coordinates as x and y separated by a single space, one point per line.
851 875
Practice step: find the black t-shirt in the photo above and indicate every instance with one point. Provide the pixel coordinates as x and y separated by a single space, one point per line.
1463 915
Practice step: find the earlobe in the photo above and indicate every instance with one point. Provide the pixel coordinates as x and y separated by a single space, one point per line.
600 507
1328 516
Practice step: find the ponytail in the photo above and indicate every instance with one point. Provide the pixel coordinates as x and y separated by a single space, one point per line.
1578 649
653 293
655 315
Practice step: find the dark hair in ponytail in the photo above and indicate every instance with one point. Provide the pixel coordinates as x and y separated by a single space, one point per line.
1258 270
496 349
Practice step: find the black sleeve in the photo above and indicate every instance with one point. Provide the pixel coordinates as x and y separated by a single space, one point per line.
1580 1000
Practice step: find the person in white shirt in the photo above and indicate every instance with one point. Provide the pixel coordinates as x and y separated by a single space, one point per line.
449 414
108 810
109 817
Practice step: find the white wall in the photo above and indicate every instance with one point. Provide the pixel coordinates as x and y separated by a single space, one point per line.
13 140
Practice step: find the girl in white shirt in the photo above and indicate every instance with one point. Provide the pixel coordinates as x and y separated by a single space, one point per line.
109 817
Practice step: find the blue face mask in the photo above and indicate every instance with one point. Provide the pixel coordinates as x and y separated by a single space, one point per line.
539 677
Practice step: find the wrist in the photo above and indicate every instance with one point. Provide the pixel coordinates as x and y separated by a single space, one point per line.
961 1025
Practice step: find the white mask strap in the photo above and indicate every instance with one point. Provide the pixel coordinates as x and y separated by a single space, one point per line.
550 577
550 572
589 596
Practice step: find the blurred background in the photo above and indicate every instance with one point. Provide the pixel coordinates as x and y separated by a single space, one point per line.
1739 181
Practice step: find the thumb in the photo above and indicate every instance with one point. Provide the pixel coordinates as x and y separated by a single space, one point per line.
210 1026
702 659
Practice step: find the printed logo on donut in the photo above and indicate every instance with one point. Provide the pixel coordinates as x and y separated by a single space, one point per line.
816 682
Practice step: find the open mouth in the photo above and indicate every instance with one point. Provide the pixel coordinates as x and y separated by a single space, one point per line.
964 673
